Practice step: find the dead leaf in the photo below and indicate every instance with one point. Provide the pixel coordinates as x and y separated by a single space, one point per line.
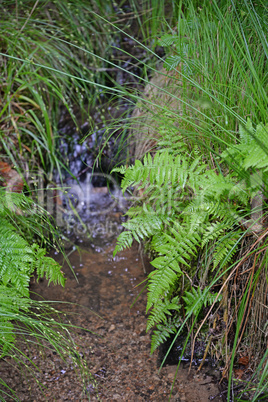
244 360
238 374
10 178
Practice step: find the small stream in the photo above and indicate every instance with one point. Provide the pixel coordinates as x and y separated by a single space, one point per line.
101 292
98 296
102 300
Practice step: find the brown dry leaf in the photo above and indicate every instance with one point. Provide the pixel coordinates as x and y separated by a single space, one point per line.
239 374
112 328
244 360
4 168
11 178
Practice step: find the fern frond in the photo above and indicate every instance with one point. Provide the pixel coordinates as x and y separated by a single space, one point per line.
163 332
161 310
257 157
185 207
196 299
252 152
246 134
19 258
212 232
226 247
124 240
162 280
15 202
185 240
16 258
121 169
47 267
134 175
163 170
144 225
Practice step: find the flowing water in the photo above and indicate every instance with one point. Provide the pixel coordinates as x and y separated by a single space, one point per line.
101 297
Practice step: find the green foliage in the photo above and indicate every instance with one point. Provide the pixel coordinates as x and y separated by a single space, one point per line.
124 240
183 208
16 259
19 260
162 311
54 55
216 58
164 331
196 299
209 44
47 267
11 303
180 47
21 257
250 156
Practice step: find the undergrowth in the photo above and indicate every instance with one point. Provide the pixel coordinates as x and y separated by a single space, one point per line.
55 57
200 190
21 258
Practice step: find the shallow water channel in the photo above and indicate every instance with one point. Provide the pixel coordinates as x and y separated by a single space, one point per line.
101 290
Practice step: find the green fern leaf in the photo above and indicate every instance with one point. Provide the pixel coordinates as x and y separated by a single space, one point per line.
124 240
172 62
225 248
212 232
247 133
121 169
163 332
162 280
196 299
144 225
161 310
47 267
252 152
166 40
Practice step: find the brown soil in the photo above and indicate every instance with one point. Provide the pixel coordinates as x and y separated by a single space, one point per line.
118 353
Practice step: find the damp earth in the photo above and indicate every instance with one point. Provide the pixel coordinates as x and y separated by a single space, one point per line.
103 299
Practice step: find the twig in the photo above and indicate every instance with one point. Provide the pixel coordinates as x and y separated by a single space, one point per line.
225 392
142 259
29 16
128 15
207 347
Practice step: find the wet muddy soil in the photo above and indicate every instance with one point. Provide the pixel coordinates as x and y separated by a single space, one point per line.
118 351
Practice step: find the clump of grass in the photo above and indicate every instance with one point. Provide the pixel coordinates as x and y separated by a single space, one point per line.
48 61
